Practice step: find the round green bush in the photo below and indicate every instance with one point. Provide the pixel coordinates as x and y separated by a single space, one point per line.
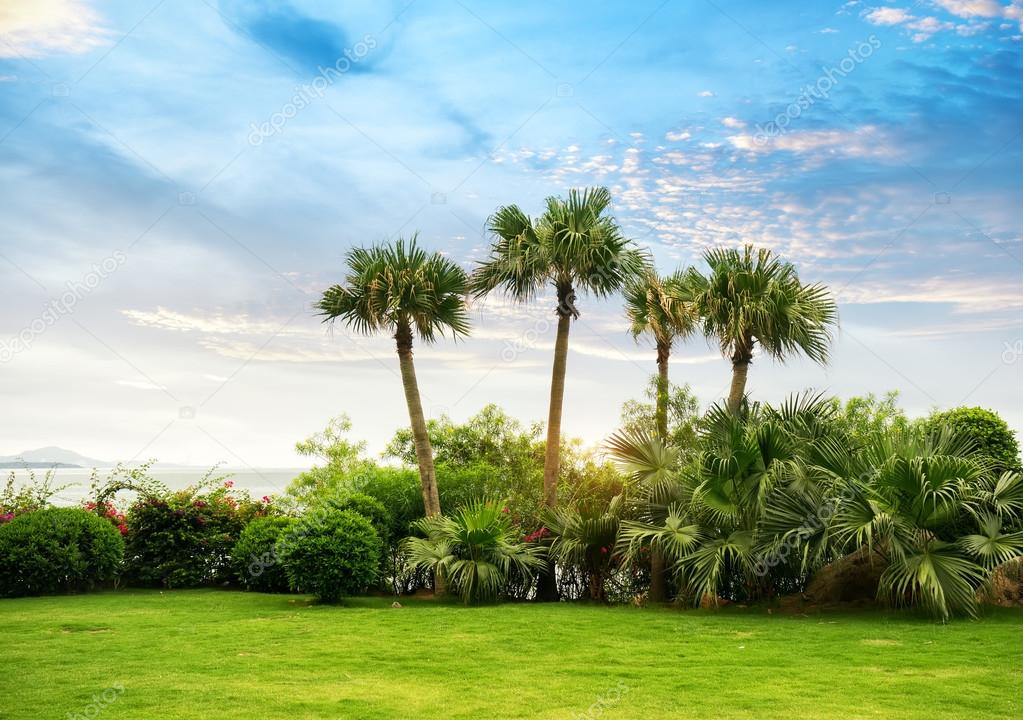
370 508
989 433
255 557
57 550
331 554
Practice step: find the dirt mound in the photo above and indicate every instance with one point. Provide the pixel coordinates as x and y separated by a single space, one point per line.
1006 586
851 580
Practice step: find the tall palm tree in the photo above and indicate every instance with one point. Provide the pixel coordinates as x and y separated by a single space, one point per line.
399 288
650 309
752 298
576 244
667 318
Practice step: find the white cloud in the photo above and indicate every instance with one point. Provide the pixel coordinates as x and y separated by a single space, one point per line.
965 294
706 93
677 136
733 122
971 8
866 141
34 28
888 16
827 31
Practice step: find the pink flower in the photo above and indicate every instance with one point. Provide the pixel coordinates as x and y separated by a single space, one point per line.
265 499
229 483
603 551
123 528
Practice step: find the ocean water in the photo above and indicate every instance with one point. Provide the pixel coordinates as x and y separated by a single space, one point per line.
257 481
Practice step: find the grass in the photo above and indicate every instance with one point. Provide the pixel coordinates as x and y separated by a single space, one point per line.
199 654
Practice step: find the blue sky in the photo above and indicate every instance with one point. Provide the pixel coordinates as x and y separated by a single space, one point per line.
196 170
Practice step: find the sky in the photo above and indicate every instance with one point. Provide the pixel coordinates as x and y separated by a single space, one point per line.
181 179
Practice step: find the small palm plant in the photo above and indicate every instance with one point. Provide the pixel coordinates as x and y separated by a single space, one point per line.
752 298
400 288
474 551
584 538
936 514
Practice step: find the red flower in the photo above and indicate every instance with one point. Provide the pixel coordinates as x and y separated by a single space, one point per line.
265 499
504 510
603 551
123 528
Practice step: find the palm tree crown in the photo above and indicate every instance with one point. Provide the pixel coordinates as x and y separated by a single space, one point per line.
574 245
751 296
398 287
651 309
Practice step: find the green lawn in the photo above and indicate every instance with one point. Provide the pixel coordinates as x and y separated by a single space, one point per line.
204 654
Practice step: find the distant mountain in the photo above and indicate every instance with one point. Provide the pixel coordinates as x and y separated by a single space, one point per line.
50 457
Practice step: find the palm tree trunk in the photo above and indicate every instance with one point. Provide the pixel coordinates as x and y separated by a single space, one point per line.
424 452
547 585
658 581
663 353
552 457
740 368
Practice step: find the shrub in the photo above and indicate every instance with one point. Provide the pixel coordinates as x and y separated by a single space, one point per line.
56 550
332 554
988 432
476 550
255 556
370 508
185 538
33 494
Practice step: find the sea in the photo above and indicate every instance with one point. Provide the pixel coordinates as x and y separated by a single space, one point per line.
258 482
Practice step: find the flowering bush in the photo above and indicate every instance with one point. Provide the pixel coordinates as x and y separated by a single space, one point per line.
32 495
185 538
110 512
54 550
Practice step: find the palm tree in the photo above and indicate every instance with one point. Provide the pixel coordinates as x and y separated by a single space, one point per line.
667 318
575 245
399 288
752 297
